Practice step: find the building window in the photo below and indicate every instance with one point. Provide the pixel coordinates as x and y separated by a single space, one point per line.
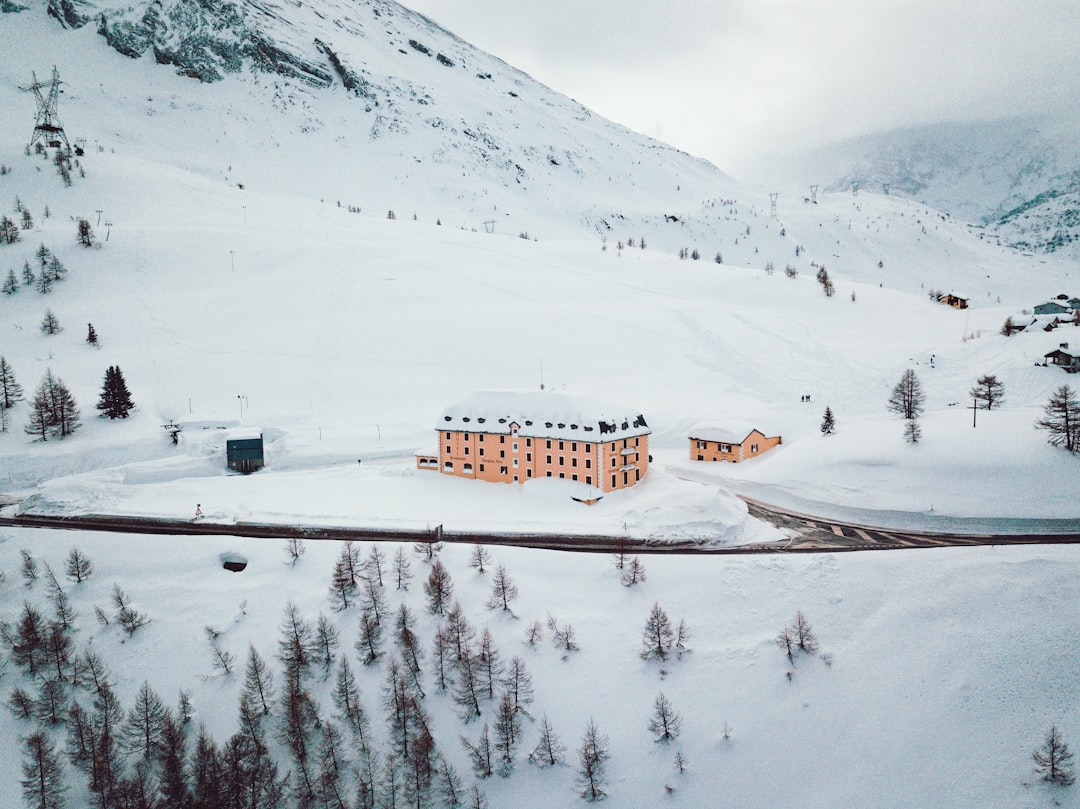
481 437
725 447
467 467
515 446
588 463
448 436
448 466
753 448
528 457
573 461
588 447
502 470
701 445
614 482
636 440
548 444
548 460
502 439
588 480
466 450
562 445
562 475
502 453
528 473
465 436
481 467
447 449
701 457
562 461
549 473
612 463
528 442
573 446
573 477
481 452
515 463
625 478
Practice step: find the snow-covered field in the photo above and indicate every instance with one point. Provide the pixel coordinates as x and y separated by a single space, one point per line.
344 334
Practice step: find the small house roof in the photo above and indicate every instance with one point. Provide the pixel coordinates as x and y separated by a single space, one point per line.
243 433
543 414
726 432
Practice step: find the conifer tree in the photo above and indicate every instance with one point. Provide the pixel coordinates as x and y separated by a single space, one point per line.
634 572
49 324
11 283
78 567
1053 760
43 783
503 590
402 569
479 557
592 762
828 422
258 681
1061 419
480 754
115 400
438 588
549 750
141 732
91 335
53 411
907 397
665 724
989 391
658 637
10 390
28 277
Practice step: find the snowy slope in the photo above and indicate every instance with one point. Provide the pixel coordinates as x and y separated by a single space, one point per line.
344 335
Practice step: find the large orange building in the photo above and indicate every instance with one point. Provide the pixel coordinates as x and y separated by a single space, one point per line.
516 436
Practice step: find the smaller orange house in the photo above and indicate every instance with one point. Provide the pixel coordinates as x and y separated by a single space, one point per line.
728 442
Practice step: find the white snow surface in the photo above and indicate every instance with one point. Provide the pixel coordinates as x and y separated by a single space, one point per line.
346 334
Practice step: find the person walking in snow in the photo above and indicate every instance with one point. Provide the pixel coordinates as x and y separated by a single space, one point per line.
198 510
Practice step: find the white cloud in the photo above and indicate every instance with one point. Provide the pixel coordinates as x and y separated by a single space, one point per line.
726 80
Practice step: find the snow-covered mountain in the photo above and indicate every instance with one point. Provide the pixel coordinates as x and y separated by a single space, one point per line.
1020 178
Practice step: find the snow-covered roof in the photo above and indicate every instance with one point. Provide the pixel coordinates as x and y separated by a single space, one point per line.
243 433
543 414
726 432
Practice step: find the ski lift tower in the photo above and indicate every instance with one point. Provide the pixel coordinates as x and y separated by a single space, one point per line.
854 189
772 204
47 126
813 194
885 188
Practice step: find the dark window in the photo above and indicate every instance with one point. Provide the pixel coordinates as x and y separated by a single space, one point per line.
447 449
588 480
448 436
502 470
549 473
701 457
502 453
562 445
481 437
549 460
625 478
588 447
528 442
573 477
562 461
502 439
588 463
573 446
613 482
548 444
528 457
481 467
573 461
562 475
528 473
466 450
481 452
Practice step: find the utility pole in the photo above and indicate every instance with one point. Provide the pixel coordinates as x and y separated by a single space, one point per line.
47 125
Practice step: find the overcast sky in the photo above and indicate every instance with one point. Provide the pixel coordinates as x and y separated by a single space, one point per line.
730 79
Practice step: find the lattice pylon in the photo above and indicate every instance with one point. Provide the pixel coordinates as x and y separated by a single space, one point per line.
47 125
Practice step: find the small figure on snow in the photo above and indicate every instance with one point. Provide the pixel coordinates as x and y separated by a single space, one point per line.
198 510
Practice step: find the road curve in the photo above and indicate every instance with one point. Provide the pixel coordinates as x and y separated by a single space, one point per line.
806 534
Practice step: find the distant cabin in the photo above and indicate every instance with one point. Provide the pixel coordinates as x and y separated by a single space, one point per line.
1063 357
1052 308
1073 303
711 441
244 449
513 436
954 301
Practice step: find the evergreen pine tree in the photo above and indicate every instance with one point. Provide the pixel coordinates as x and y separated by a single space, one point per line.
658 637
1061 419
28 276
549 751
907 397
10 390
115 400
592 760
11 283
91 335
1053 760
828 422
43 784
49 323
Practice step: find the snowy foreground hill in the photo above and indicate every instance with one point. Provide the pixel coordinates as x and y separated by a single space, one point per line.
295 303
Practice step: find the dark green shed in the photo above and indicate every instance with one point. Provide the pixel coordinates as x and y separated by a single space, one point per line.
244 449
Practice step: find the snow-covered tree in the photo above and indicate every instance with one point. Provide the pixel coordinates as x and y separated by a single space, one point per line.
50 324
503 590
43 782
549 750
658 637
